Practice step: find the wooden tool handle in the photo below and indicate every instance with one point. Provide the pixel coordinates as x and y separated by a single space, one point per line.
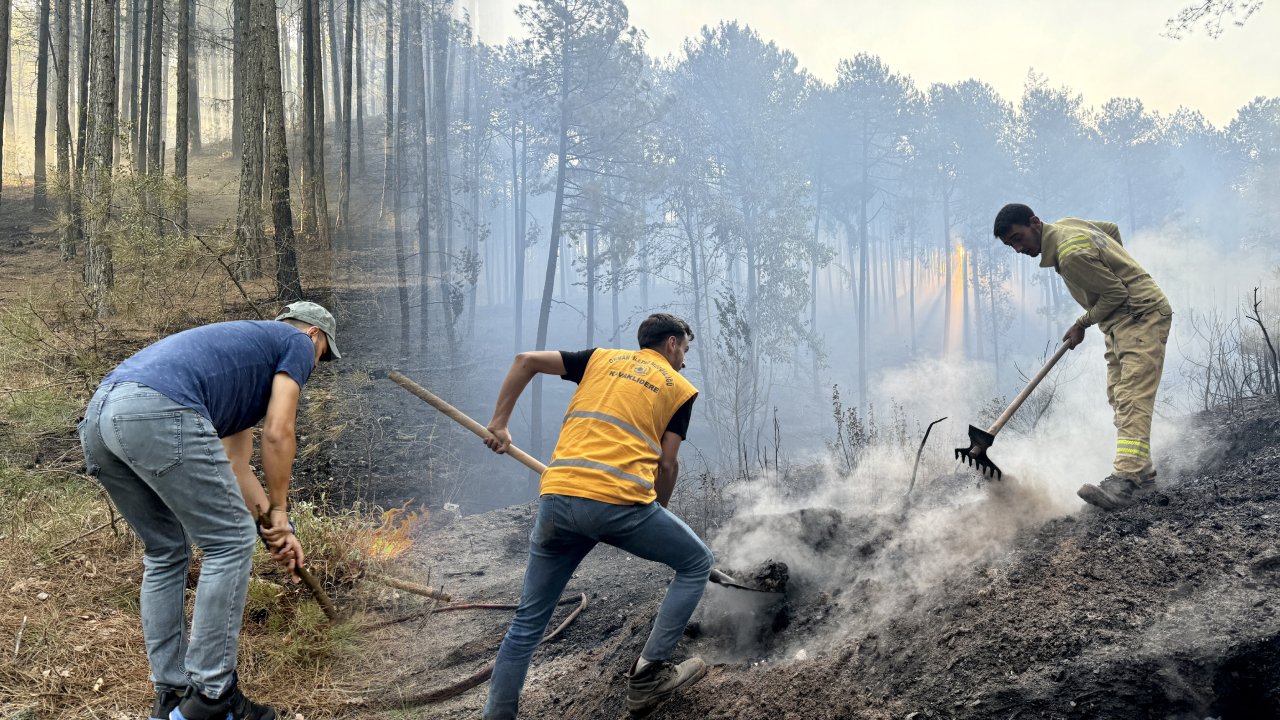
461 418
1026 391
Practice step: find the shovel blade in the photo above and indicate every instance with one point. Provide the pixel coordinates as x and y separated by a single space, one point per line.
976 454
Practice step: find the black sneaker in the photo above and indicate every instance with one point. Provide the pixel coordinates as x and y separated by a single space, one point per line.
166 702
649 688
1114 492
233 705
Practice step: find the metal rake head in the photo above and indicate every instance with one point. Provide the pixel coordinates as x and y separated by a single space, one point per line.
976 454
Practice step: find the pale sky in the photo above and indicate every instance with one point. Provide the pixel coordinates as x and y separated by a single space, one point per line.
1099 48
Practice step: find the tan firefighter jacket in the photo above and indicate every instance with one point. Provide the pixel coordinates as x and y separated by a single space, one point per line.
1100 274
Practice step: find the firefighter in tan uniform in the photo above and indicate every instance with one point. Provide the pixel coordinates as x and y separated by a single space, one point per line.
613 471
1134 316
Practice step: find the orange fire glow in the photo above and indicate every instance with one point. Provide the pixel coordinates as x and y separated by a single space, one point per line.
391 539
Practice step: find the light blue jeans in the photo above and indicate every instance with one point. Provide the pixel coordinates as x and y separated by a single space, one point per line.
169 476
567 528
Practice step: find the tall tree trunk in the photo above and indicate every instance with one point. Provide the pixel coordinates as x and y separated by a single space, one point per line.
520 241
344 181
478 127
591 283
911 270
615 275
144 92
947 271
154 108
553 247
388 109
181 137
42 107
965 344
308 102
82 98
4 76
249 213
864 281
813 283
995 321
360 84
193 80
441 73
288 280
62 136
979 343
395 165
321 201
99 275
417 78
238 21
335 65
138 11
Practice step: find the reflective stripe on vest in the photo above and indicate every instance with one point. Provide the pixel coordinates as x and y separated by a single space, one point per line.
612 420
592 465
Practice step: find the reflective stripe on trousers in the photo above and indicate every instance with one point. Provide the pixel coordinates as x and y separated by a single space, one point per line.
1135 362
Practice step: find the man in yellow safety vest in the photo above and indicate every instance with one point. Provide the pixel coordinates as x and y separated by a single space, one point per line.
1134 316
612 473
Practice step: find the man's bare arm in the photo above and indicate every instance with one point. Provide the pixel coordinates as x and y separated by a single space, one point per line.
279 439
668 467
239 449
523 369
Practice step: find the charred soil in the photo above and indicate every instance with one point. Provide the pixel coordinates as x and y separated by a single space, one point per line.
1165 609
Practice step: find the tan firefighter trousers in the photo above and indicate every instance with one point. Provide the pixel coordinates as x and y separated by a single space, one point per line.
1135 360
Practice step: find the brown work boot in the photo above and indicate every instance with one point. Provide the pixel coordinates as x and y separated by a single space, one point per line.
1114 492
647 689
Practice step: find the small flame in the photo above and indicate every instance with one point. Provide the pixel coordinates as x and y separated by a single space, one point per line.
391 539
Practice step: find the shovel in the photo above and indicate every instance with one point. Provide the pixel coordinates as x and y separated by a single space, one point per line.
524 458
981 440
725 580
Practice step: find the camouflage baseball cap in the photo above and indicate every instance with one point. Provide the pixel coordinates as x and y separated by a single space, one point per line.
309 312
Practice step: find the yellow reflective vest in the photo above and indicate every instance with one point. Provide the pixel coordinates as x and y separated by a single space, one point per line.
612 435
1099 273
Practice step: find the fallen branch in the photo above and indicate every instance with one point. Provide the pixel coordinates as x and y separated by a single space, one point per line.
457 688
17 646
407 586
81 536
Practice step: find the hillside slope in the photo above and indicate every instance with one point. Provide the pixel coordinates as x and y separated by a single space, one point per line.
1164 609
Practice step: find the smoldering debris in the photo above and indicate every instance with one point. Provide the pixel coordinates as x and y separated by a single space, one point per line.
747 613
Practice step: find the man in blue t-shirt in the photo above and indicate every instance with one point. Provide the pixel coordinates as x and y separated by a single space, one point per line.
169 434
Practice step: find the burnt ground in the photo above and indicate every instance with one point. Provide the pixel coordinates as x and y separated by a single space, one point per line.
1166 609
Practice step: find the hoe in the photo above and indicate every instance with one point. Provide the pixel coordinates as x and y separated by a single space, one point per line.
981 440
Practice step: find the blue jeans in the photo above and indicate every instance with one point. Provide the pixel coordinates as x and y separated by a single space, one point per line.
169 476
567 528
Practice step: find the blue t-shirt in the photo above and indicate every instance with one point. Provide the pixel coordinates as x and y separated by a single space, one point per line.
222 371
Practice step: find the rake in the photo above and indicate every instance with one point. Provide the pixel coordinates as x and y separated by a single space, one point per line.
981 440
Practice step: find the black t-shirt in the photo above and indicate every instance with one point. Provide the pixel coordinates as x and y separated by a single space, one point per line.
575 366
